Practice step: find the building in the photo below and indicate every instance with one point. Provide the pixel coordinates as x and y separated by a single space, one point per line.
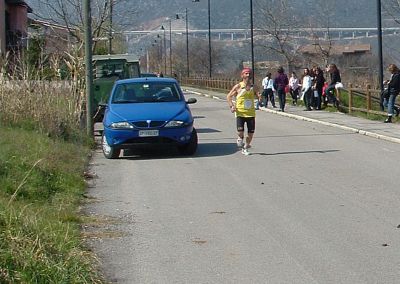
57 39
356 62
345 54
13 25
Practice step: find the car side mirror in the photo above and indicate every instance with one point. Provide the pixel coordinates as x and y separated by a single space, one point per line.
191 101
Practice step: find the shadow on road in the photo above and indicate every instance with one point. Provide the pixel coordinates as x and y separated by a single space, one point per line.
168 152
303 135
295 152
216 149
207 130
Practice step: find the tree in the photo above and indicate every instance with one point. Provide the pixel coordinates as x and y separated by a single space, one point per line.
320 30
70 14
277 22
198 55
392 9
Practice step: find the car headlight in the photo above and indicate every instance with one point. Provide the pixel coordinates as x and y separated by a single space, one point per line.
175 123
121 125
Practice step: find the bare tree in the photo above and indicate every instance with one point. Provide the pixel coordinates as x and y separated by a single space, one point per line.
198 56
392 9
279 23
69 13
320 30
153 58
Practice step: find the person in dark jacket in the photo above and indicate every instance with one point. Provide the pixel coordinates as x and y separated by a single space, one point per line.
319 82
335 78
390 93
280 83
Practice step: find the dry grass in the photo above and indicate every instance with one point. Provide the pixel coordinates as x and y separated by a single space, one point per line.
54 107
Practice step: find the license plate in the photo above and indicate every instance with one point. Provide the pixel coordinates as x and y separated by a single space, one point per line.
148 133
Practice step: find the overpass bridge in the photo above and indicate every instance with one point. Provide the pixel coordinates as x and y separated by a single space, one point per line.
242 34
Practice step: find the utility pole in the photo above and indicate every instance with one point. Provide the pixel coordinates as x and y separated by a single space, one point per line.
88 66
110 35
170 47
252 41
209 40
187 40
209 37
187 43
379 20
165 52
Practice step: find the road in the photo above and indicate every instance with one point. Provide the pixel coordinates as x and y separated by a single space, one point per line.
312 204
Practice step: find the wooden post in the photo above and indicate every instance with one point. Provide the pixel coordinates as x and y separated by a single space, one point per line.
350 98
368 97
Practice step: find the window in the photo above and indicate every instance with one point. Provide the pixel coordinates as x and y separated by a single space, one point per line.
146 92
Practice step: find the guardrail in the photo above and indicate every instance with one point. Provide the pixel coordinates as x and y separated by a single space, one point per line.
353 99
224 84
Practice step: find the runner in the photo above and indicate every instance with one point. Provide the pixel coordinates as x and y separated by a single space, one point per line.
244 108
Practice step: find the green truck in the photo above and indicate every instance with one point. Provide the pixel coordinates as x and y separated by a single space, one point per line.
108 69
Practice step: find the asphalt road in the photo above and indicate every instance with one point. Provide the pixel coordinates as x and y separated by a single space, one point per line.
312 204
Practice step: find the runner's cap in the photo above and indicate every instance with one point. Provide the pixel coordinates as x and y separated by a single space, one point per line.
246 70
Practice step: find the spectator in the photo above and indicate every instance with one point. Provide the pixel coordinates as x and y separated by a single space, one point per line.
390 93
294 88
306 85
268 91
280 83
313 75
319 82
335 78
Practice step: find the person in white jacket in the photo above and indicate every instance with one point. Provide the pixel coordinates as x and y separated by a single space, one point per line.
294 87
306 89
268 91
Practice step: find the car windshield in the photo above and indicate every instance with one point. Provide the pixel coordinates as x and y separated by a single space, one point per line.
146 92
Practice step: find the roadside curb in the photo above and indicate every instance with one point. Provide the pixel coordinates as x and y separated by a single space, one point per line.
351 129
303 118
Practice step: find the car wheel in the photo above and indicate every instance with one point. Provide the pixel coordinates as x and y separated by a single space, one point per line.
191 147
109 151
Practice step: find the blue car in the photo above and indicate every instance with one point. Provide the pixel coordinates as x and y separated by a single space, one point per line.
144 111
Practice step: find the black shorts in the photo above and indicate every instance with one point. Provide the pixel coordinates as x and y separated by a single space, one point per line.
250 122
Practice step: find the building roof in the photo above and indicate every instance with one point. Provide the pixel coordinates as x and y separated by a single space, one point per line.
19 2
337 49
127 57
40 23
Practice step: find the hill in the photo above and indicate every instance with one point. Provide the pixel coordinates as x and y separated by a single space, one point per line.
233 14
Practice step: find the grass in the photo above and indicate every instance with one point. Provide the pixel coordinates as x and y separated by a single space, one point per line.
41 186
361 103
358 102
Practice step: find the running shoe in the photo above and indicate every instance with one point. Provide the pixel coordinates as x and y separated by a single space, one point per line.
247 146
240 142
245 152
